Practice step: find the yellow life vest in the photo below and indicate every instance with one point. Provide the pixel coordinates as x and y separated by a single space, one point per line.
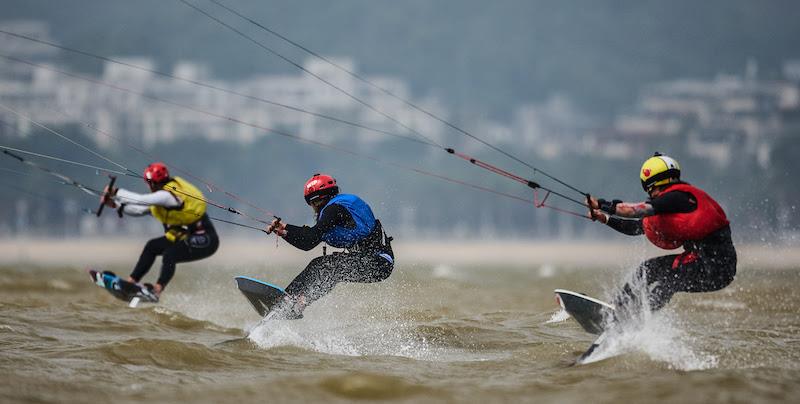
192 208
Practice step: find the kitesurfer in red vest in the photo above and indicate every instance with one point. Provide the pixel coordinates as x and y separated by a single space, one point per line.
676 215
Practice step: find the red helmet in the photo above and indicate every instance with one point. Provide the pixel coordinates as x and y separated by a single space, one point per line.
320 185
156 173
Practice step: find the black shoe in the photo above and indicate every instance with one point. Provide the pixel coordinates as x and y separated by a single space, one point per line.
148 292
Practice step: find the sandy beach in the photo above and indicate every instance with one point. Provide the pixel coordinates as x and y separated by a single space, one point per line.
515 253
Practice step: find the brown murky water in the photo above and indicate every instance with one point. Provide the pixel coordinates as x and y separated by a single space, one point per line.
432 334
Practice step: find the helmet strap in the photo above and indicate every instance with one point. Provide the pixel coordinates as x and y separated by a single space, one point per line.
157 186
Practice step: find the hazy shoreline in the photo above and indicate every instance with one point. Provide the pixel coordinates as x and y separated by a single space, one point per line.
120 251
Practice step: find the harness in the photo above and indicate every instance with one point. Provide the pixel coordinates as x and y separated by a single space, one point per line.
672 230
186 218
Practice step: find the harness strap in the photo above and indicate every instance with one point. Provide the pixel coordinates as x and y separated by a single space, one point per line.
686 258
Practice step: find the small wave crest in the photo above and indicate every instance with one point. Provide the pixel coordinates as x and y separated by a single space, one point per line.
368 386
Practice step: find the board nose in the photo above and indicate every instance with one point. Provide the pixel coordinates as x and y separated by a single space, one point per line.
559 302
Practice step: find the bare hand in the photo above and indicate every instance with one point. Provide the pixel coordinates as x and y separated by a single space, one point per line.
594 210
106 198
592 203
598 215
277 227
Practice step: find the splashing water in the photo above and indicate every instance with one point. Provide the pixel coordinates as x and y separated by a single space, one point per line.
659 338
362 324
559 316
656 334
327 334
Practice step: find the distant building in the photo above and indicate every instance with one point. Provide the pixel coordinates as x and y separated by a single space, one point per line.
46 96
722 120
28 50
549 129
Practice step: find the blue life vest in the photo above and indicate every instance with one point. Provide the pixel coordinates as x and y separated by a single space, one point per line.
342 237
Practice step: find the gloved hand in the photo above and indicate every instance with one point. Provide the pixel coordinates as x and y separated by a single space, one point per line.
609 207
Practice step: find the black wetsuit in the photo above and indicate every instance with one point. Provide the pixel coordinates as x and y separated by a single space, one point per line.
369 260
202 242
705 265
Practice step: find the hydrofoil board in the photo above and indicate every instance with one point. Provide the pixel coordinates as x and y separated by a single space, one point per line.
130 292
266 298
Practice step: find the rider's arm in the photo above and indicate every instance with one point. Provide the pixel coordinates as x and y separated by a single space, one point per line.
306 238
634 210
627 217
135 210
670 202
134 204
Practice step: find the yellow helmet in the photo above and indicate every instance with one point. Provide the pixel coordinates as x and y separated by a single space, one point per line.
659 170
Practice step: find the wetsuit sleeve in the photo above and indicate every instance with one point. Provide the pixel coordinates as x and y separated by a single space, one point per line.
306 238
674 202
631 227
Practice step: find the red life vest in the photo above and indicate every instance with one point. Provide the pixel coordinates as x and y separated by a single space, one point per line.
669 231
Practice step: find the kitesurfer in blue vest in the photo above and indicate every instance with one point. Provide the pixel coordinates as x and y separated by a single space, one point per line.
676 215
342 221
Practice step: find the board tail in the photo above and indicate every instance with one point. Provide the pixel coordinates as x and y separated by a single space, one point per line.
269 301
584 358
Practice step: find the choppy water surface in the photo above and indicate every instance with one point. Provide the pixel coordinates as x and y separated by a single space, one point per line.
428 334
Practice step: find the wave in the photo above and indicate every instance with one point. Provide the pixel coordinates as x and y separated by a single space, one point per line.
163 353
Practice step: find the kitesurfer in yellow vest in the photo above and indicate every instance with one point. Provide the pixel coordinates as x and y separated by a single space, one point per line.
676 215
181 208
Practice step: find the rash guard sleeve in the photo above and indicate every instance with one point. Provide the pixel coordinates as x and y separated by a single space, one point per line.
135 210
134 204
158 198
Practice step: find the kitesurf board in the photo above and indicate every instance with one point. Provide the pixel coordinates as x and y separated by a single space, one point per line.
261 295
586 356
265 298
589 312
130 292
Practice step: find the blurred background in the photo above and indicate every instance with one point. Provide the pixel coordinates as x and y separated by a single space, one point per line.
583 90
